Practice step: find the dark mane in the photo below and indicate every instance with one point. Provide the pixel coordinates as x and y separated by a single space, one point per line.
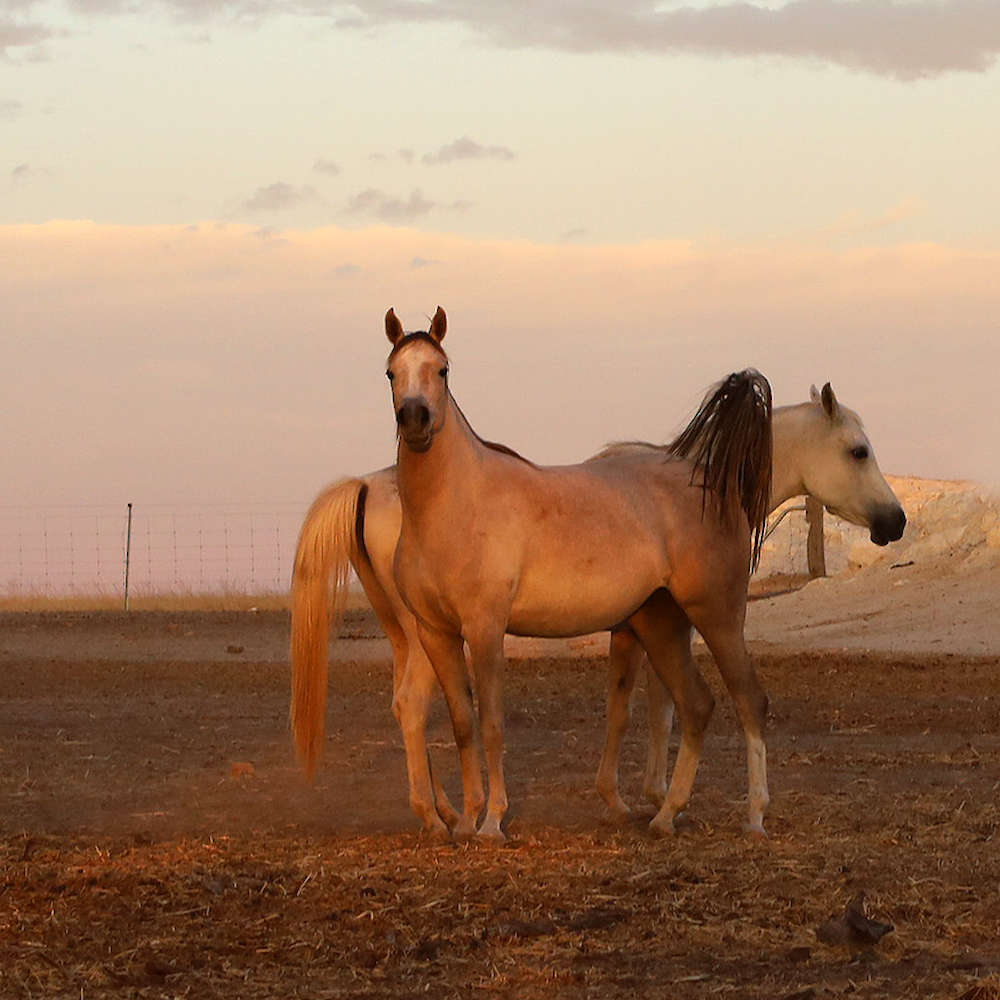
492 445
729 443
503 449
619 447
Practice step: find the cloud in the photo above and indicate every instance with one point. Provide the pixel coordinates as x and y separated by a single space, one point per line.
269 236
906 40
377 203
881 323
278 197
903 211
406 155
903 39
327 167
24 172
16 34
467 149
418 262
344 270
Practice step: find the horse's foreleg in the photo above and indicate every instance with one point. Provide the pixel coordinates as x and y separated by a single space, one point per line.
414 681
624 656
660 709
665 632
488 665
729 649
446 652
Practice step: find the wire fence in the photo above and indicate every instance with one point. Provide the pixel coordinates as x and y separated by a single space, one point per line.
205 549
198 548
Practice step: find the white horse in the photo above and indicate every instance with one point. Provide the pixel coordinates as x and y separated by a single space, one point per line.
819 449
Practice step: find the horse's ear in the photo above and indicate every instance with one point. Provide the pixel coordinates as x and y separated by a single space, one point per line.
439 325
830 403
814 394
393 328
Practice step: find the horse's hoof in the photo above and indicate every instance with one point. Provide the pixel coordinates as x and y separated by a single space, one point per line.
464 830
438 834
755 831
494 838
490 833
619 814
450 817
661 828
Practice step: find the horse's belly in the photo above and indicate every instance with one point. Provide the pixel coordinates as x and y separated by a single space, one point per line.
558 608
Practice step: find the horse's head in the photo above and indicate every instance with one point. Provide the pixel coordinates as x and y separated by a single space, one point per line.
839 470
417 370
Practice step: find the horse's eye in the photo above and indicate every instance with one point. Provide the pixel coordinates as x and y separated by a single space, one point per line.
860 453
443 373
390 376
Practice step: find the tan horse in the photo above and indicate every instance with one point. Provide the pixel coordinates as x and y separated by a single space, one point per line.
490 543
819 448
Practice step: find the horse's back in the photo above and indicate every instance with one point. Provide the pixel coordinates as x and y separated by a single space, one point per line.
601 535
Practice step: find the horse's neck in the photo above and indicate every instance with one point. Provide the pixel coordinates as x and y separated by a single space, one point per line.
444 472
787 426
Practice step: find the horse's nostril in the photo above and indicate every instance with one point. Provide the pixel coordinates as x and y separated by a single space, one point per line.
888 526
900 525
413 415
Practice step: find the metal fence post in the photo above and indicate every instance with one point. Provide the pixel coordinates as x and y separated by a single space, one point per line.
128 551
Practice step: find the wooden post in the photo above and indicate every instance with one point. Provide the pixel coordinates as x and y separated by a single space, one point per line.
815 554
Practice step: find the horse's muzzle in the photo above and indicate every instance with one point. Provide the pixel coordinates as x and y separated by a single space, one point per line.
887 525
414 421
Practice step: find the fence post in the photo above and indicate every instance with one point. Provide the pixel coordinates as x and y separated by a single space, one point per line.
815 554
128 551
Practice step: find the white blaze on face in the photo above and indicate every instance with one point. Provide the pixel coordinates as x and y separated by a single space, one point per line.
418 373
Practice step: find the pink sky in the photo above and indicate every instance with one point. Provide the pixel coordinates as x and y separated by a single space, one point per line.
219 362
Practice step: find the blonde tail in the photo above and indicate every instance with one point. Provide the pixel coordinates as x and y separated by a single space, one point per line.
328 544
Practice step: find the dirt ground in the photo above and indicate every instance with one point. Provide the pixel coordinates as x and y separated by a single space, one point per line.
156 839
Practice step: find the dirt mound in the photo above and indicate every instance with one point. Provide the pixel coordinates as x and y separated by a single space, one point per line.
951 523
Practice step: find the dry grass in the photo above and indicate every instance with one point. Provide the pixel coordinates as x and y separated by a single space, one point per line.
178 600
157 842
243 600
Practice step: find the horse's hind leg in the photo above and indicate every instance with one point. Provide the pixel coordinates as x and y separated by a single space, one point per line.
665 632
624 657
660 710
